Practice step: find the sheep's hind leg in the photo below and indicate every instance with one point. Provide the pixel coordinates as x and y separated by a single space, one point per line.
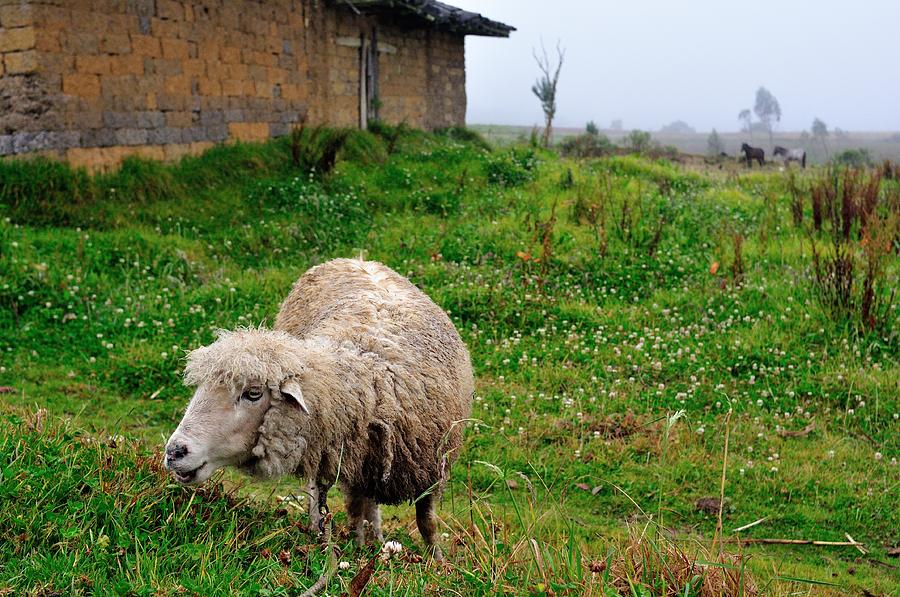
357 508
427 521
373 516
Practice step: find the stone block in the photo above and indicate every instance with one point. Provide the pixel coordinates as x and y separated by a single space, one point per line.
194 68
127 64
15 40
146 45
92 64
234 115
212 118
178 85
169 10
81 85
115 43
175 49
99 137
118 120
150 119
209 87
21 63
164 136
131 136
6 144
180 119
167 102
249 131
15 14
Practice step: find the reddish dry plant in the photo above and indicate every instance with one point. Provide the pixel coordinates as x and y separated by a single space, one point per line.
796 192
850 280
666 569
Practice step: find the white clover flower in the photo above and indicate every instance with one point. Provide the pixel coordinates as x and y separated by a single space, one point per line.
344 565
390 549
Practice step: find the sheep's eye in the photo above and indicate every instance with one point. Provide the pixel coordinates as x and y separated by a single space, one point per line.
252 395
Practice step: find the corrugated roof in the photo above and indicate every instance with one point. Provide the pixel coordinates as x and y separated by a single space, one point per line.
440 15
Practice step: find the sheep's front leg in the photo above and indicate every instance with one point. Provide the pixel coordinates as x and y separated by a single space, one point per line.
318 505
427 521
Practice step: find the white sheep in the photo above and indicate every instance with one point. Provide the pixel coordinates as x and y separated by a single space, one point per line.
364 381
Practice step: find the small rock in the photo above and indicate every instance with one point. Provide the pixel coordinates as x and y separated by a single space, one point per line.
709 505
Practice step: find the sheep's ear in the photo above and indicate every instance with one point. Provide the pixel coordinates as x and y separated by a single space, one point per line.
293 394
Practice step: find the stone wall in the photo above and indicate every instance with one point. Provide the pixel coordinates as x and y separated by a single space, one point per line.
96 80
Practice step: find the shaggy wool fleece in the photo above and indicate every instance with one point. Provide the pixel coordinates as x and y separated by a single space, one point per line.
383 383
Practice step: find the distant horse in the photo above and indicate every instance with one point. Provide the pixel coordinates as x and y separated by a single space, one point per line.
754 153
792 155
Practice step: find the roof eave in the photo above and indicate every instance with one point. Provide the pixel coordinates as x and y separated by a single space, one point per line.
440 15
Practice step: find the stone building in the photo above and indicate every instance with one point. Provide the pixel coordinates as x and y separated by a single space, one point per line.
95 80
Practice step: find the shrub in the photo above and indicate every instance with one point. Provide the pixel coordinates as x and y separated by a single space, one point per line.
512 168
638 141
856 158
464 135
390 134
586 145
850 276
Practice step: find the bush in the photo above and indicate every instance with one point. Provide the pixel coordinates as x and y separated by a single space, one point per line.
513 168
639 141
586 145
464 135
856 158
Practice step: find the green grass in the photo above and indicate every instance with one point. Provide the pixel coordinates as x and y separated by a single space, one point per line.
584 346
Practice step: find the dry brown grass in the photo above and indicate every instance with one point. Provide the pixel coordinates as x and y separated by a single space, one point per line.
665 569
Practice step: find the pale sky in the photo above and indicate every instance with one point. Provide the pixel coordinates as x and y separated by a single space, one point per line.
650 62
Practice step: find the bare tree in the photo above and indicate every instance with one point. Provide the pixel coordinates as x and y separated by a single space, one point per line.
714 144
768 110
545 87
746 117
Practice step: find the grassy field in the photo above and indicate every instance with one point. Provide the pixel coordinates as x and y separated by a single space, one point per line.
627 321
881 145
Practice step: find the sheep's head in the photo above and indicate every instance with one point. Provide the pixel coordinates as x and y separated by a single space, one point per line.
243 379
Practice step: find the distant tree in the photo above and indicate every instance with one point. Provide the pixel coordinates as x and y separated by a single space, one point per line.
545 87
856 158
617 125
768 110
714 144
820 133
639 141
592 128
679 127
746 118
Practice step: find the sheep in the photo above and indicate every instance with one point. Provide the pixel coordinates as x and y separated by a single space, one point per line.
363 381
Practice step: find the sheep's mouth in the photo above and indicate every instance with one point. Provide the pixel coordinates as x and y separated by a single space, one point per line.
185 477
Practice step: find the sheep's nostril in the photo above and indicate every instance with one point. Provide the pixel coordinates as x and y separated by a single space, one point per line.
176 452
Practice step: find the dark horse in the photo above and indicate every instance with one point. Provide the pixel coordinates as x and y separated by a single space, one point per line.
791 155
754 153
